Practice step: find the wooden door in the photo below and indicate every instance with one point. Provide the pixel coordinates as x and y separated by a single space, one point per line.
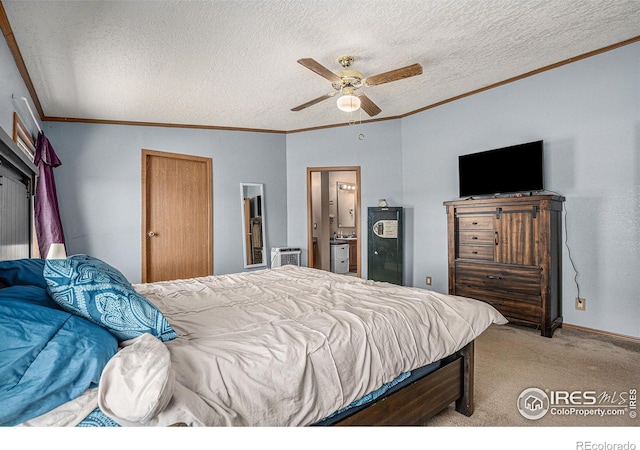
177 218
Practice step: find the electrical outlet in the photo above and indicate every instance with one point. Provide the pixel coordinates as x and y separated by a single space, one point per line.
428 281
581 304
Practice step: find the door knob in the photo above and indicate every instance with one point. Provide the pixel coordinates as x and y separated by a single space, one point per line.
151 234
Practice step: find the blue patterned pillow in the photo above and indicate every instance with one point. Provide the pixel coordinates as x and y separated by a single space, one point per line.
96 291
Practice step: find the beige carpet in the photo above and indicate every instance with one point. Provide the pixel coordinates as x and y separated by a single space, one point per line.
510 359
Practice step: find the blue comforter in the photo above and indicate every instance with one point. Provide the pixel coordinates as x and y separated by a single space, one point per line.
48 356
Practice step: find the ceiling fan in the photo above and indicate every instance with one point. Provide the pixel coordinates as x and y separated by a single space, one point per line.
348 81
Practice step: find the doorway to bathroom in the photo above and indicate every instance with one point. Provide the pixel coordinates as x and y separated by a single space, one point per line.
333 219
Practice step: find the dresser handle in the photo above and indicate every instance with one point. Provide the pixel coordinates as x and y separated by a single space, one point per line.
474 238
474 223
474 253
493 277
495 238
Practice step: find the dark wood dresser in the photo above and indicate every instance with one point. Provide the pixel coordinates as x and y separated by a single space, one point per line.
507 252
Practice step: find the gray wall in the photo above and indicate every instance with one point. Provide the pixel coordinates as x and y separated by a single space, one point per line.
99 187
588 114
379 158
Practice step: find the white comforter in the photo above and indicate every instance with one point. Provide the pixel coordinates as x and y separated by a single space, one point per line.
289 346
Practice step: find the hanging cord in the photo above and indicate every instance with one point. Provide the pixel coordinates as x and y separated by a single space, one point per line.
359 122
566 243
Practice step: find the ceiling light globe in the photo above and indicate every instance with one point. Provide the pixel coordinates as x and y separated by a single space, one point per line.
348 103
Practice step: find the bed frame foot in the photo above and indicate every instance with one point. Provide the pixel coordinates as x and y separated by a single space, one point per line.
464 405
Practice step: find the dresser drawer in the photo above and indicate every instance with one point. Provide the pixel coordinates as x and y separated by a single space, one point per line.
503 278
475 222
518 312
476 237
483 252
499 297
515 307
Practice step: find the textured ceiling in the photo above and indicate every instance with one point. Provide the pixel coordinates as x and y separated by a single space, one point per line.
233 63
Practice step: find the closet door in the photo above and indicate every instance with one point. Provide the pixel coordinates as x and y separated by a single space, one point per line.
177 216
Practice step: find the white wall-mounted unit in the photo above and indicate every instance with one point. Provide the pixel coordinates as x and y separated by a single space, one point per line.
282 256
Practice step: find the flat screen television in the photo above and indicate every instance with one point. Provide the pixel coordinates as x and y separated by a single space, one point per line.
514 169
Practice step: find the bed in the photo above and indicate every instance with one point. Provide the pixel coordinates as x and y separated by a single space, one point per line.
290 346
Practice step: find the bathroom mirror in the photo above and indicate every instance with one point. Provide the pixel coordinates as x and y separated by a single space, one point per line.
253 225
346 198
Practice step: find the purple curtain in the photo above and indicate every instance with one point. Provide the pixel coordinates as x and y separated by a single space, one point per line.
47 215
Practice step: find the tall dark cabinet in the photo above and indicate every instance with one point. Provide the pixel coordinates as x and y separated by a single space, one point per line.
385 244
507 252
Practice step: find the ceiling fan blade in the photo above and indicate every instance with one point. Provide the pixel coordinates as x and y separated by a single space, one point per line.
313 102
368 106
393 75
318 68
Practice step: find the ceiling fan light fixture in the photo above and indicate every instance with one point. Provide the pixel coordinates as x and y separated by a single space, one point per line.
347 81
348 103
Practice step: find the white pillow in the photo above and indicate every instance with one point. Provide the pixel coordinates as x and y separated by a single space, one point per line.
138 382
